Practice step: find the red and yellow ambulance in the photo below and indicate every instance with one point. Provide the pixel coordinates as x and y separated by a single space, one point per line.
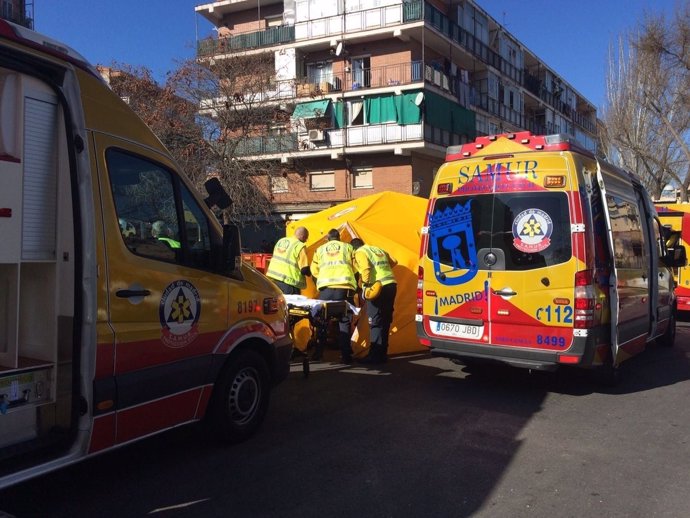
537 254
676 216
125 309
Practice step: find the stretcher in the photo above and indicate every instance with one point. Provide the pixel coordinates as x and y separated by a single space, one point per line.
319 314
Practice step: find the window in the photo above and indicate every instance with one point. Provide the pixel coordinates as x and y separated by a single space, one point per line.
7 10
320 72
524 230
153 221
361 72
322 181
279 184
628 237
197 233
355 113
274 21
362 178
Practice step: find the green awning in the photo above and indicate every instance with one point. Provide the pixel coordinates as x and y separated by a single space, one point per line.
339 114
380 109
408 112
449 115
311 109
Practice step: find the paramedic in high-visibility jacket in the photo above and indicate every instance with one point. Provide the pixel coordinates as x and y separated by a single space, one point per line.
289 264
375 266
333 270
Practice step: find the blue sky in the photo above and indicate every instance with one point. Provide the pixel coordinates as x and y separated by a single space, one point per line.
572 37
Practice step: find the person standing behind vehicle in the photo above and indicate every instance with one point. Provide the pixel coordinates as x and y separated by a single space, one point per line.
333 270
374 265
289 265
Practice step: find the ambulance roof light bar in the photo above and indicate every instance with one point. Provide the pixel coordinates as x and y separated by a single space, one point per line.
555 142
36 40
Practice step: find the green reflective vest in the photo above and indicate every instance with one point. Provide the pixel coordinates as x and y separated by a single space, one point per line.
284 266
379 261
172 243
335 265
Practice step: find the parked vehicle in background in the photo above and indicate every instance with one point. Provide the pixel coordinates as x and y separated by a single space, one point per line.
536 254
125 309
676 216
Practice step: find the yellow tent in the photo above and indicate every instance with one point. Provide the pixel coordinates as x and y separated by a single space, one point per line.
391 221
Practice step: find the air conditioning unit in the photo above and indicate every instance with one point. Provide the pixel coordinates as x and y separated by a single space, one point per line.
316 135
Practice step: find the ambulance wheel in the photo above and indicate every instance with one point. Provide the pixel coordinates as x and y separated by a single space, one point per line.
669 337
241 397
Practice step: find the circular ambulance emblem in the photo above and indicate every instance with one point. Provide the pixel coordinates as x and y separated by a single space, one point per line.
532 231
179 312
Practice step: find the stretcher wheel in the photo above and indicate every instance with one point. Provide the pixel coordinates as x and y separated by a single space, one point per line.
305 366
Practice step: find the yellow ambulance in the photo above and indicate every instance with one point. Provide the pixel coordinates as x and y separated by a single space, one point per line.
537 254
676 216
125 309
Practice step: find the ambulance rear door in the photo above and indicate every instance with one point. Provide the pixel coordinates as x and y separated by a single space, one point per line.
629 247
501 247
531 283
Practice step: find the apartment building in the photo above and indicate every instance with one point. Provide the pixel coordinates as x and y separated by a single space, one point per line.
20 12
377 89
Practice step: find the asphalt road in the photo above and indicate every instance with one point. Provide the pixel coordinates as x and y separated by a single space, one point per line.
421 437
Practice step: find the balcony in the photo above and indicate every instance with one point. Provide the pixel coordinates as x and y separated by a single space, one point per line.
372 77
244 41
355 21
353 136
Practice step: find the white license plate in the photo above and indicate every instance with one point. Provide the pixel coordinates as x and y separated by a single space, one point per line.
457 330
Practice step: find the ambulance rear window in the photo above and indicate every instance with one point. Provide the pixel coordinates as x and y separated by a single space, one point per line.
524 230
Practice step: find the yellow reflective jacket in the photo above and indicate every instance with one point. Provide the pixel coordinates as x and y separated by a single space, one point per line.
333 267
379 262
284 265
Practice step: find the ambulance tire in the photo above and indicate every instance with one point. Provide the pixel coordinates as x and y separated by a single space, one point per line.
669 337
240 399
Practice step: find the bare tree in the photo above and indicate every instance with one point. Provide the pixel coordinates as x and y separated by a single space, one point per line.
215 117
172 118
241 113
646 119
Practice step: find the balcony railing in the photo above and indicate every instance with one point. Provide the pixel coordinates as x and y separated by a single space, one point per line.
356 21
322 27
450 29
267 145
244 41
374 134
368 135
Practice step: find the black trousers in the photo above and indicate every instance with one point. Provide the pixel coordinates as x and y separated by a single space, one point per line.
343 324
286 288
380 315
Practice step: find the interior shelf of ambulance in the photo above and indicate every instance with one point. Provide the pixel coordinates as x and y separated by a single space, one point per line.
36 281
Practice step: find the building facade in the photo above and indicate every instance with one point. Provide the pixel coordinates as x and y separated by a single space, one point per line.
377 89
20 12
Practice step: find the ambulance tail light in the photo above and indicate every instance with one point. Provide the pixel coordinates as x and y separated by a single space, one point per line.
444 188
270 306
420 290
585 300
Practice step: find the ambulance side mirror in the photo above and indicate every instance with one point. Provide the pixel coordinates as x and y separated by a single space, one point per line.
231 259
217 196
675 257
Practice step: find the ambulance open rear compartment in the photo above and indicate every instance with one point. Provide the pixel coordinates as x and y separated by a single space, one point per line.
36 268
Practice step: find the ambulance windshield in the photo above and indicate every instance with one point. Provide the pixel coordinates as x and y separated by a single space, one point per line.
524 230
